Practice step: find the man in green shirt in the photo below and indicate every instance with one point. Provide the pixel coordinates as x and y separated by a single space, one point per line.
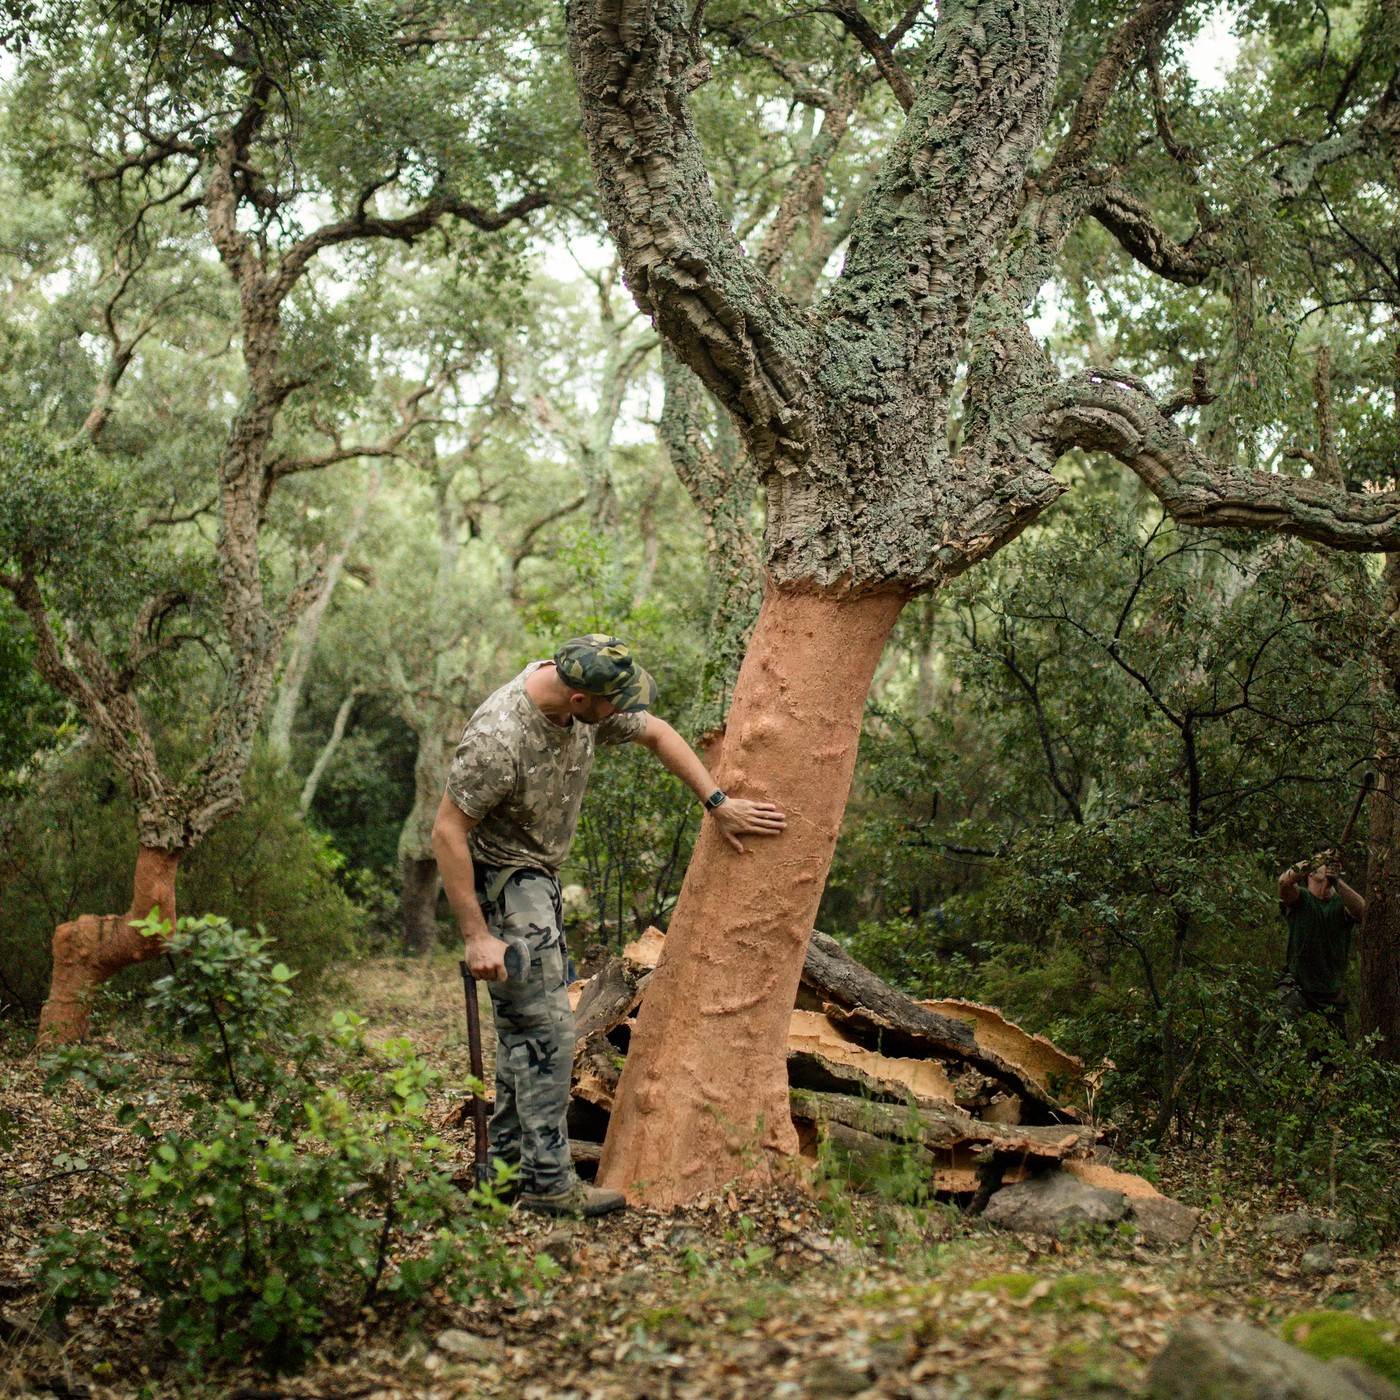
1322 914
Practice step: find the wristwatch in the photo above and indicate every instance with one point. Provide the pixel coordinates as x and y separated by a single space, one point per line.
716 799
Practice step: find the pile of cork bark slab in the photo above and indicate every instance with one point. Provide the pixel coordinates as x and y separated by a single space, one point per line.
985 1106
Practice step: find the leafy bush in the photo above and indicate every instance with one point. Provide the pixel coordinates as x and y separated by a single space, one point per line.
70 849
300 1180
635 835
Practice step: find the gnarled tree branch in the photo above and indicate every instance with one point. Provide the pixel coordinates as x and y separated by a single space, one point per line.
1108 411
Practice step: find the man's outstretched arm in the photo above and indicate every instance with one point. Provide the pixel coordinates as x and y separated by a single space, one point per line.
485 953
737 816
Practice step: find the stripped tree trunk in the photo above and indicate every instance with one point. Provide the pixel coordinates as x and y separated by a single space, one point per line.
90 949
717 1010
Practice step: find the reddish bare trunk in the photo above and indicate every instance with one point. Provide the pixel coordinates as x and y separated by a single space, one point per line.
703 1098
90 949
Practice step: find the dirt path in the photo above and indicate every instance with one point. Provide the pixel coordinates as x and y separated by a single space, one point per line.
788 1294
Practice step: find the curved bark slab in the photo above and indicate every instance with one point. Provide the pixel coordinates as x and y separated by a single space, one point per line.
703 1097
872 1010
816 1046
1033 1054
607 999
92 948
835 976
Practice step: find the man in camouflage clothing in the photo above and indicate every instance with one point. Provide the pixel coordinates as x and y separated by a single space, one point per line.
503 830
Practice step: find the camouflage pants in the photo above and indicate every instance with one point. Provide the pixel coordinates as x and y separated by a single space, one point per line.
534 1031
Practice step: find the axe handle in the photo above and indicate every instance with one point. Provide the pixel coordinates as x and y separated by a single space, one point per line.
479 1121
1366 784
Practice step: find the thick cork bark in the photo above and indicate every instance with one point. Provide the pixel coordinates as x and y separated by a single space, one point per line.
703 1099
90 949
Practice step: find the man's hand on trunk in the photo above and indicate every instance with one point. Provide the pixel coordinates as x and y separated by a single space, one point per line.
486 958
737 817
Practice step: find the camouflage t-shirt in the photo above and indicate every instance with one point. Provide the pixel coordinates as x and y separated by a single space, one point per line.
524 776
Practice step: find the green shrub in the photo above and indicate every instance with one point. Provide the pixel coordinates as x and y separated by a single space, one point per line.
906 952
70 849
300 1167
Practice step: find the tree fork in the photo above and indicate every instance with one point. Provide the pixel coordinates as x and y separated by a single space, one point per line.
92 948
703 1099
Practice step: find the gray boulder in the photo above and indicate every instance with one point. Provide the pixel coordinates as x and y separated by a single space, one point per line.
1160 1220
1233 1361
1338 1230
1370 1383
1317 1260
1053 1203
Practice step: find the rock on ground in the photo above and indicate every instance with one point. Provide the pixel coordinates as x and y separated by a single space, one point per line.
1317 1260
1291 1228
1053 1203
1234 1361
1160 1220
1296 1226
1367 1381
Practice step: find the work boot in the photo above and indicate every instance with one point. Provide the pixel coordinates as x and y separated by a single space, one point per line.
578 1199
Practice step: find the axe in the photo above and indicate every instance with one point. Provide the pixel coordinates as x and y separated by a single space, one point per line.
1366 785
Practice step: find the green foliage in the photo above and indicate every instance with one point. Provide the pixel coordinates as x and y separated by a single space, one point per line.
32 717
63 517
1328 1335
301 1180
70 849
908 953
634 839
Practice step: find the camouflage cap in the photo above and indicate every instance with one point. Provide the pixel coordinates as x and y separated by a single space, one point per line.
601 665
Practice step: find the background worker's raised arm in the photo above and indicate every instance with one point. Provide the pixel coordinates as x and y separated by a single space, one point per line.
1288 890
485 954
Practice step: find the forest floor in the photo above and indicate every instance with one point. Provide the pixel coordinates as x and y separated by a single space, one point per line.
790 1293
